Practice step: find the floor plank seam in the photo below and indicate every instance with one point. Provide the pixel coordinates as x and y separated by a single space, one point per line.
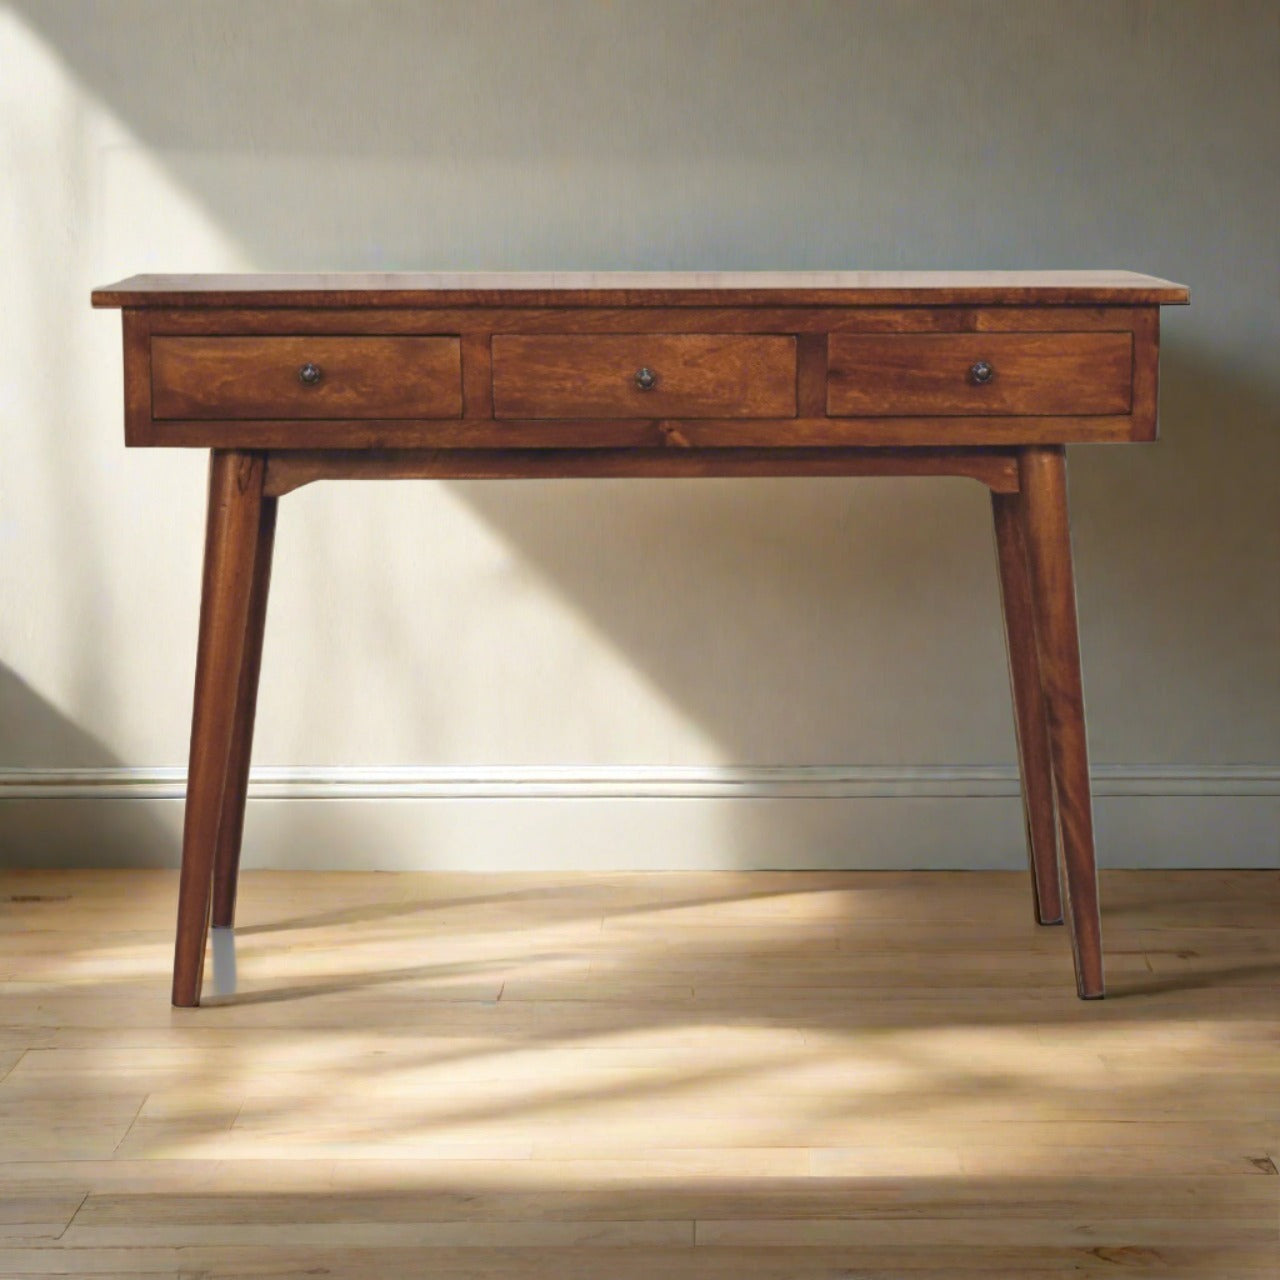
132 1122
83 1200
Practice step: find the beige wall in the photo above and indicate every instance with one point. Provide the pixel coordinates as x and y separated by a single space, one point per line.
486 630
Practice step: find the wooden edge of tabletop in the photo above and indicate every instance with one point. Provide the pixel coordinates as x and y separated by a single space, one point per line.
609 289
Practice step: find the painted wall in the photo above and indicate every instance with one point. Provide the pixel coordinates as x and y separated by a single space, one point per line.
680 657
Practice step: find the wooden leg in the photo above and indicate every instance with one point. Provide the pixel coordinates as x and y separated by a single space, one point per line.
226 858
1042 473
231 539
1032 728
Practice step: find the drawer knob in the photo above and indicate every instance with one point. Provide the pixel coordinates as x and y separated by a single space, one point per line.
309 374
980 371
646 379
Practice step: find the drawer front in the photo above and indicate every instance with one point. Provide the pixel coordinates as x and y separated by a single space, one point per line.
300 377
644 376
973 374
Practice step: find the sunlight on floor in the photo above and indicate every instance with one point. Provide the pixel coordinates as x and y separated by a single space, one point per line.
805 1023
770 1075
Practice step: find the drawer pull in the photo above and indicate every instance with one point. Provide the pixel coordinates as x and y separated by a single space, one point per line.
980 372
646 379
309 374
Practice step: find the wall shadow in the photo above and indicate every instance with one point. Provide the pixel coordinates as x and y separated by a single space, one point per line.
55 831
334 126
883 632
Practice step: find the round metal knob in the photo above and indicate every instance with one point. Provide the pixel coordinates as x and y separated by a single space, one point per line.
980 371
309 374
646 379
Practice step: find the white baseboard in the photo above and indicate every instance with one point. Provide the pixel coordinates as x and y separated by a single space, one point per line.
642 817
636 782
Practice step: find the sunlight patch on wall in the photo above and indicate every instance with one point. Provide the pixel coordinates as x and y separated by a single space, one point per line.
458 633
80 202
481 652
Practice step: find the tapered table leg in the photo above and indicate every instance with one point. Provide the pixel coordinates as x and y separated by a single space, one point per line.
1035 765
1043 479
226 859
231 541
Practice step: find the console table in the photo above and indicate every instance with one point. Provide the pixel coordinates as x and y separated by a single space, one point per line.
988 375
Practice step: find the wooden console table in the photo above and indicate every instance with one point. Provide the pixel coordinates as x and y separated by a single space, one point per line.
290 379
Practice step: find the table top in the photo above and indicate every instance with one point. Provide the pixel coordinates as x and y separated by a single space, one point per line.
646 288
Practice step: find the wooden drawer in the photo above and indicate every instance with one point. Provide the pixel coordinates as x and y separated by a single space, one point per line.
600 376
919 374
354 377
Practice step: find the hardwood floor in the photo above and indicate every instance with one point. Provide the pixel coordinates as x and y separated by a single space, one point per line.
783 1076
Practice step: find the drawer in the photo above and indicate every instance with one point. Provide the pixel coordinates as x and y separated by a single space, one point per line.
972 374
301 377
644 376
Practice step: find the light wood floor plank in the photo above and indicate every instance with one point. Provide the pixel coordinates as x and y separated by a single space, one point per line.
768 1076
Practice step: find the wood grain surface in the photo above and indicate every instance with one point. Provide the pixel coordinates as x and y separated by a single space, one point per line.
1031 725
727 317
985 375
939 431
360 377
1046 531
226 859
291 469
595 376
752 1076
234 536
907 375
195 378
641 288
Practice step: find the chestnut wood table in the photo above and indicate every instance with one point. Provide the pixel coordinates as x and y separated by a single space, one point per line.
291 379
